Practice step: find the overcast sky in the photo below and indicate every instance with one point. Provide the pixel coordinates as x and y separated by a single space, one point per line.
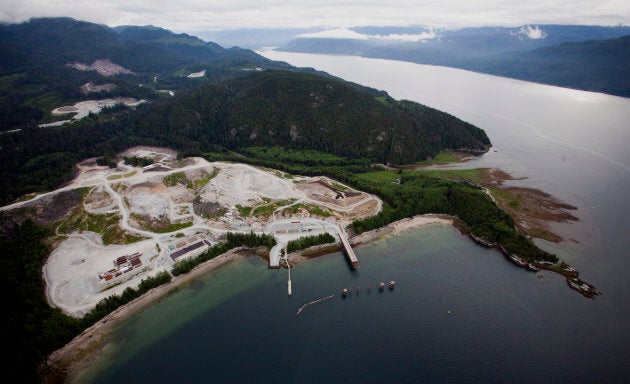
202 15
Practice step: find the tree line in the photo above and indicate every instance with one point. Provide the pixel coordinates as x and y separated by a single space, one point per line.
232 240
309 241
417 194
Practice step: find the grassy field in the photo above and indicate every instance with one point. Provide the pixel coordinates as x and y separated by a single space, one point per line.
118 177
267 210
158 225
104 225
199 183
176 178
313 210
470 175
379 176
244 211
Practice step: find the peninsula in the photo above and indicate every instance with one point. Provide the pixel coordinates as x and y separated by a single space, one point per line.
117 230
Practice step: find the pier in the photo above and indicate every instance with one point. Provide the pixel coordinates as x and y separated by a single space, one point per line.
344 240
286 258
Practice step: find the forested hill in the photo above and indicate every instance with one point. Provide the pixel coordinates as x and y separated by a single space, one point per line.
596 65
300 110
35 76
58 41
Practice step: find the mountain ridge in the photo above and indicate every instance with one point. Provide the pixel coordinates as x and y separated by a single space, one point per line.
506 52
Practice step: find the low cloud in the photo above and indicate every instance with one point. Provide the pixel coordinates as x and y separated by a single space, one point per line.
407 37
338 33
534 33
345 33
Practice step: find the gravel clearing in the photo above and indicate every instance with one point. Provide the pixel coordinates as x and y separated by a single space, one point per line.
76 272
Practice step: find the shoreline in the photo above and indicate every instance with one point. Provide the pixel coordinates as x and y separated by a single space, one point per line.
400 226
66 363
391 229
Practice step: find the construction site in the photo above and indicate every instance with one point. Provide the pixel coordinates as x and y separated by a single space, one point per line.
130 222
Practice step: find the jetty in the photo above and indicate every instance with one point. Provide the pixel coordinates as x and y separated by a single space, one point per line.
286 258
313 302
344 240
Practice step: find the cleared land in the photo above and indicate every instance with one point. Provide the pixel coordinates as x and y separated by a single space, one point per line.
103 67
90 87
117 226
84 108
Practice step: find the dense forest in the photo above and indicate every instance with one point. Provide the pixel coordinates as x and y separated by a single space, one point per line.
309 241
307 111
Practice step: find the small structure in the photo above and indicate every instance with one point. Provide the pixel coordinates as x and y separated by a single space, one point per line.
181 249
122 264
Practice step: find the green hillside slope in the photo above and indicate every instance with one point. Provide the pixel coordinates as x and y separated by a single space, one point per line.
299 110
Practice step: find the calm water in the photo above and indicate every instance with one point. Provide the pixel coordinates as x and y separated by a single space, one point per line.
504 325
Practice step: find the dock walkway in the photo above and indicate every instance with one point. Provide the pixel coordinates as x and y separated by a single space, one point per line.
344 240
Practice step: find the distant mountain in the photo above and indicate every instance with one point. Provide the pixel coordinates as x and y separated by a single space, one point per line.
533 53
57 41
468 42
39 61
598 65
53 41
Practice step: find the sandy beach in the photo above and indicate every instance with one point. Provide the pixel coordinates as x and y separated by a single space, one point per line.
65 363
398 227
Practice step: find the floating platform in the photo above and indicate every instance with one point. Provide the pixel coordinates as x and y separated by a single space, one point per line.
313 302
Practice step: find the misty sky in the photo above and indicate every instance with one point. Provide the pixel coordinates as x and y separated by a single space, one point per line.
202 15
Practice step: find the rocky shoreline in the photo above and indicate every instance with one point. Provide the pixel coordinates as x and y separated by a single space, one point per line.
571 275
